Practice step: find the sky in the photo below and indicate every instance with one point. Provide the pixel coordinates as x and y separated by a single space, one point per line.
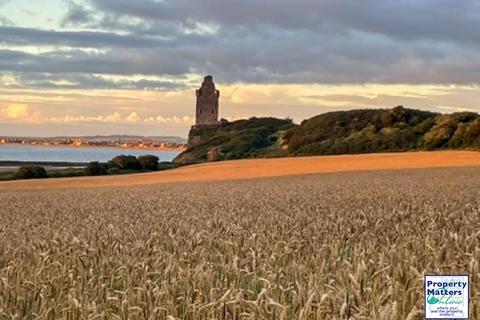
82 67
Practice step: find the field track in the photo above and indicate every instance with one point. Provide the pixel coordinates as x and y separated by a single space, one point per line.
261 168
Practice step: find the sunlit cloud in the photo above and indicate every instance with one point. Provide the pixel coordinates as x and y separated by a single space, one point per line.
186 120
133 117
19 113
16 111
116 117
113 65
172 112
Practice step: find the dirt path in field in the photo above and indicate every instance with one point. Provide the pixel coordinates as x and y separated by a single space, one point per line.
247 169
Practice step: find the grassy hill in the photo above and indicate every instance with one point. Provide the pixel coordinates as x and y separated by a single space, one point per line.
252 138
342 132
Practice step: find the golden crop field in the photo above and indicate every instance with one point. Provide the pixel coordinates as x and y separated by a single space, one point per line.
331 246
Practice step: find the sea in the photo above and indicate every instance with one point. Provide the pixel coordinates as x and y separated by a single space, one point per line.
12 152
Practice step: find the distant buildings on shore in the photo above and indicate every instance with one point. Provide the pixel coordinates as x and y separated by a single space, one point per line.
130 142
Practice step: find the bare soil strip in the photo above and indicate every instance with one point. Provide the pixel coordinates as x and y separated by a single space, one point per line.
262 168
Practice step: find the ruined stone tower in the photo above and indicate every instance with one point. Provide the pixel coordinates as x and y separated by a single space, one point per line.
207 103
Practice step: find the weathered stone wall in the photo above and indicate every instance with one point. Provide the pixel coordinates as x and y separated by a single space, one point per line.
207 103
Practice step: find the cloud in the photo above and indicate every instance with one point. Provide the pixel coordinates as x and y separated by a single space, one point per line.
112 118
82 39
76 15
411 19
15 111
186 120
116 117
19 112
43 80
250 41
133 117
121 62
4 21
338 61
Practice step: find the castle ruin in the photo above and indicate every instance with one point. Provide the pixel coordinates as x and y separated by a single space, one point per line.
207 103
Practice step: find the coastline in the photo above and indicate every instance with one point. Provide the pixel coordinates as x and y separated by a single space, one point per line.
94 146
13 164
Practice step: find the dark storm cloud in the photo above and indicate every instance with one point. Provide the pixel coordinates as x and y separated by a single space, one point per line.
85 39
76 15
86 81
118 62
260 41
442 20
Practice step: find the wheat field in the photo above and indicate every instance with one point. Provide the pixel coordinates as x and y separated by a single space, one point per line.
262 168
330 246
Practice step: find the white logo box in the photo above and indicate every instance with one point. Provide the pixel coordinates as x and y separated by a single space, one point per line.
447 296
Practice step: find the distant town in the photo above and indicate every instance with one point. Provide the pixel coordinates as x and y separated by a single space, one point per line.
115 141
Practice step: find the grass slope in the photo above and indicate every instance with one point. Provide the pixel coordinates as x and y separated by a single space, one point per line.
252 138
343 132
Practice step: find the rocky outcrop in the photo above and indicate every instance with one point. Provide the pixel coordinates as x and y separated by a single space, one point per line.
214 154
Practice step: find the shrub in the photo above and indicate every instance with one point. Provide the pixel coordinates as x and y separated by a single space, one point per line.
148 162
124 162
68 172
166 165
31 172
240 139
457 139
96 168
472 133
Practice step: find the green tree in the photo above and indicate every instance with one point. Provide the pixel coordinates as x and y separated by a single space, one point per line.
148 162
96 168
31 172
124 162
